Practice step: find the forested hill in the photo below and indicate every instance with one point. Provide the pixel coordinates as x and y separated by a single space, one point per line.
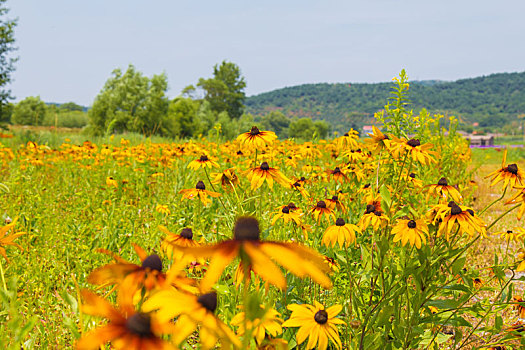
492 100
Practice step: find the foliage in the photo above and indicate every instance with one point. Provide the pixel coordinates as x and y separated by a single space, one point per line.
131 102
29 111
7 40
225 91
306 129
277 122
492 100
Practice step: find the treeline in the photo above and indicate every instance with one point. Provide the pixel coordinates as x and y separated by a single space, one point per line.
132 102
492 101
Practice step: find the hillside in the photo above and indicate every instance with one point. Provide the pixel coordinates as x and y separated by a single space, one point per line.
492 101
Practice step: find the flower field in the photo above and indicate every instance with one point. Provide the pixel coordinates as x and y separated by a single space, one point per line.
357 243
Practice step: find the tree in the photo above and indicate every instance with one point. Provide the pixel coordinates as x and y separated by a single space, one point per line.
131 102
182 114
7 40
305 129
225 91
277 122
29 111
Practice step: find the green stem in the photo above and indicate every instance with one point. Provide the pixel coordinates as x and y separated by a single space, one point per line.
494 202
502 215
2 275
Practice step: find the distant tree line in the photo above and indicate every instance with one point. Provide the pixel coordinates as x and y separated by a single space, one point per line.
132 102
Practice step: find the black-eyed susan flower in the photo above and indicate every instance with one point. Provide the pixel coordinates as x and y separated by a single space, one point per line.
287 215
335 203
348 140
337 175
447 215
321 210
111 182
228 179
377 140
521 260
334 266
130 277
127 329
444 191
414 149
163 209
172 241
518 197
509 174
6 239
413 180
259 256
317 324
258 175
413 231
257 138
374 217
202 162
298 186
265 322
199 192
516 234
192 311
519 305
341 233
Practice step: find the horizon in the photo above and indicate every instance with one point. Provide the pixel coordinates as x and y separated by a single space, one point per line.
68 50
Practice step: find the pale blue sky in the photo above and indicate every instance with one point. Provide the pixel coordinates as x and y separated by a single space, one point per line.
68 48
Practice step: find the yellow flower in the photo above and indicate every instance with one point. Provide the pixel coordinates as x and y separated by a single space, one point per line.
509 174
257 138
287 215
373 216
316 323
517 234
320 210
416 151
519 197
444 191
192 311
259 256
111 182
173 241
163 209
447 215
228 179
377 140
6 239
341 233
199 191
126 329
266 321
258 175
521 259
202 162
413 231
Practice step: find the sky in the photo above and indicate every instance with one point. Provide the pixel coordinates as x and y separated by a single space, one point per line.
68 48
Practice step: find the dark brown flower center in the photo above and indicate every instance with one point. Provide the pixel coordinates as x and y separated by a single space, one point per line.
208 301
302 178
286 210
455 210
513 169
239 153
336 171
414 142
370 208
470 211
246 228
340 222
187 233
200 186
412 175
377 213
254 130
204 158
442 182
335 198
153 262
265 166
321 317
366 186
292 206
411 224
140 325
321 204
346 134
451 204
297 184
509 231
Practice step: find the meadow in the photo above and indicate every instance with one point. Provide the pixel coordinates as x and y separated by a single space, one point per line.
398 240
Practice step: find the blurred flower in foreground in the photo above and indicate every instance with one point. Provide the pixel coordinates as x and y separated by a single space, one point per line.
259 256
127 329
6 239
316 323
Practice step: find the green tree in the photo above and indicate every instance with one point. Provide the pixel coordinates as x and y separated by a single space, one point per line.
305 129
71 106
7 41
29 111
182 114
277 122
132 102
225 91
